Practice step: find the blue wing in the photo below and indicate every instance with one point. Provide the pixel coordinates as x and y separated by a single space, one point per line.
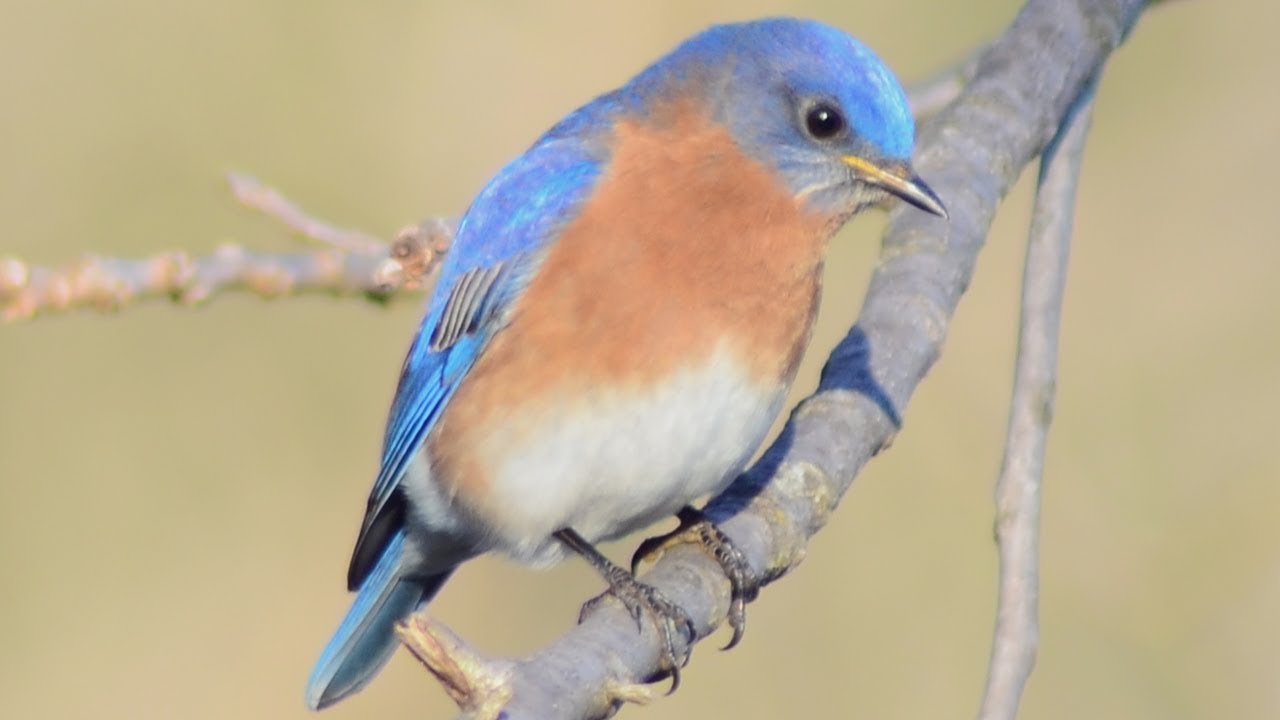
496 249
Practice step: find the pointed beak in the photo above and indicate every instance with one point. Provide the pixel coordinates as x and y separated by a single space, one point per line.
902 183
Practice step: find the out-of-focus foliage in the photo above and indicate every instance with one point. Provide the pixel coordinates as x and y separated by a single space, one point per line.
179 488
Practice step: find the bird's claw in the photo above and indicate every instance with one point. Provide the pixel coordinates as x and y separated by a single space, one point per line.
698 528
640 600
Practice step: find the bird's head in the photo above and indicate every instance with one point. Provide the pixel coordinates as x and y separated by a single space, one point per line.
811 102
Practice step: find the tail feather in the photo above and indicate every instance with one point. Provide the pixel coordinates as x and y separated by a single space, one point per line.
366 639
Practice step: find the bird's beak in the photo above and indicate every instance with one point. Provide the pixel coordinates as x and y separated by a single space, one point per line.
902 183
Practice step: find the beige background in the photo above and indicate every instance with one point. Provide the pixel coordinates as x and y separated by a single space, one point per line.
179 489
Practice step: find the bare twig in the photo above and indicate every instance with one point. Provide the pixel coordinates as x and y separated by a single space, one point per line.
352 263
252 193
1013 649
971 152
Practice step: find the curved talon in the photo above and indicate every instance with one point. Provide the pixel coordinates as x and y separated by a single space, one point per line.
737 622
668 642
743 587
651 546
639 599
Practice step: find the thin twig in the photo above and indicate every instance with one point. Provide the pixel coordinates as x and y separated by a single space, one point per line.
351 263
269 201
1013 648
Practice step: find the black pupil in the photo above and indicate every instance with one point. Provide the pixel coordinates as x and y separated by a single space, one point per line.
824 122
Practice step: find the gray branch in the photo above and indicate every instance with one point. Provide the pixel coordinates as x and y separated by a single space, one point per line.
1013 649
971 152
930 96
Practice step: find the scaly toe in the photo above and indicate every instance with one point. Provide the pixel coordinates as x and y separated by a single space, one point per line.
697 527
642 600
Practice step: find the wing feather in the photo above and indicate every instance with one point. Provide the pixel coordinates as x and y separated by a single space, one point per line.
496 250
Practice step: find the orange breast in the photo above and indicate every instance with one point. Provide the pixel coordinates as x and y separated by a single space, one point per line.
686 244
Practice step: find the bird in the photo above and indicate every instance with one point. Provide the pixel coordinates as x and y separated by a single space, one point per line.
620 317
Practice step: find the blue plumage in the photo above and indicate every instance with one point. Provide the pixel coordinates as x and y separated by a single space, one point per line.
509 222
366 638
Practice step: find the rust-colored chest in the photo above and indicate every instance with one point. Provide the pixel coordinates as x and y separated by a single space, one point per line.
686 247
686 243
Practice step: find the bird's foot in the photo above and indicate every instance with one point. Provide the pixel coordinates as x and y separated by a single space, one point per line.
640 600
697 528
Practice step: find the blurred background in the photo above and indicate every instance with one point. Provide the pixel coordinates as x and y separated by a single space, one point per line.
180 488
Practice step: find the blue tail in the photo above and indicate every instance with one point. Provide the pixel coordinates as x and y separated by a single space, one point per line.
366 638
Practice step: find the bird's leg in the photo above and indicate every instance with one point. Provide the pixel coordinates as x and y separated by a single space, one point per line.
639 599
698 528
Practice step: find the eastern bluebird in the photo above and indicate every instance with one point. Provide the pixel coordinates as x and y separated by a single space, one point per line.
620 317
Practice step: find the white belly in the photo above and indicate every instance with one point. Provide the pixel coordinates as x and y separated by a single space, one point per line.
606 462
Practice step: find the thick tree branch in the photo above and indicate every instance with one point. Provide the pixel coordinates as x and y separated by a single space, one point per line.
928 97
971 152
1013 649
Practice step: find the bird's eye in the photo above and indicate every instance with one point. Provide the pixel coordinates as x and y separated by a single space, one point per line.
824 122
